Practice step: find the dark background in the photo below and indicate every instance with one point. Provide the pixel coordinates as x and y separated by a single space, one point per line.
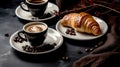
72 49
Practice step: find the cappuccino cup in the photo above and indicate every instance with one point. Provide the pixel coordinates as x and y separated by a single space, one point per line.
35 7
35 33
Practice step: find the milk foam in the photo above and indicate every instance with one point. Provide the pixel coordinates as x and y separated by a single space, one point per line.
35 28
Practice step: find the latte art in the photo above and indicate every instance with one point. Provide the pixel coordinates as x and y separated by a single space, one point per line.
35 28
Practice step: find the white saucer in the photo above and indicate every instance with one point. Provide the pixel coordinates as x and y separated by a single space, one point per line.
82 36
51 8
52 37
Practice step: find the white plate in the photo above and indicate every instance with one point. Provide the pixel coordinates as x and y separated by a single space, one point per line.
51 8
52 37
82 36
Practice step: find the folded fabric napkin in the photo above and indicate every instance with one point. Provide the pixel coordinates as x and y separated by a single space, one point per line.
107 59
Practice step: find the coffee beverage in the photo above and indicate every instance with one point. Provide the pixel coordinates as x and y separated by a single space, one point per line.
35 28
35 33
35 7
37 1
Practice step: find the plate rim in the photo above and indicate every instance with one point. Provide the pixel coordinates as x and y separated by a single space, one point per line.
45 52
18 7
57 25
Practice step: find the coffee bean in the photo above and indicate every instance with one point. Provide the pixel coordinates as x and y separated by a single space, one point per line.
46 47
65 58
96 46
7 35
87 50
70 31
67 32
18 39
91 49
23 47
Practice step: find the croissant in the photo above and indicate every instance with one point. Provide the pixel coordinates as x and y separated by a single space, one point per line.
81 22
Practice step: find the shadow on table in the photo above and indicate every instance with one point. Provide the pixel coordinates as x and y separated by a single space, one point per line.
88 43
37 58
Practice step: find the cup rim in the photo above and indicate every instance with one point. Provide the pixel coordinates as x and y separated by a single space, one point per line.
27 24
36 3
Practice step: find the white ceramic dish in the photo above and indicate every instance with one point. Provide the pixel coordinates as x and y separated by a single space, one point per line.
82 36
52 37
51 8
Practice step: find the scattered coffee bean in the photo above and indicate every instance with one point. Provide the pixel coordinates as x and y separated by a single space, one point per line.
7 35
65 58
18 39
46 47
67 32
56 12
99 44
70 31
87 50
91 49
24 47
96 46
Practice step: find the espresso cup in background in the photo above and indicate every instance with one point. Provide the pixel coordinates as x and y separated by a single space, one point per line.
35 7
35 33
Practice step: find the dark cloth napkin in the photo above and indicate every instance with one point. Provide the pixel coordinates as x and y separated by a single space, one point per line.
106 55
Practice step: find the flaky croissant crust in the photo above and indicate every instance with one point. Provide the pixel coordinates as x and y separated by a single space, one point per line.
81 22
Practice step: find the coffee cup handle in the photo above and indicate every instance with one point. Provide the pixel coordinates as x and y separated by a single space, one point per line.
21 5
22 35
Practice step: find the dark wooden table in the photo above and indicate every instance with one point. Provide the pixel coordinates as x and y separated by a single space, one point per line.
71 49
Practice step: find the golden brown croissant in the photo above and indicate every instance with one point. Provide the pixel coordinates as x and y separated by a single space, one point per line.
81 22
